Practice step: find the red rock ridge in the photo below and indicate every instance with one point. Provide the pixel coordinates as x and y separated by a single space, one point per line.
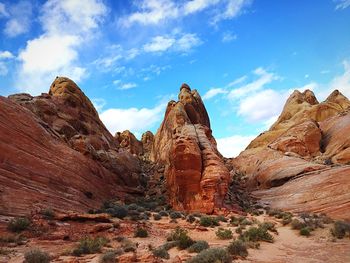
197 178
38 170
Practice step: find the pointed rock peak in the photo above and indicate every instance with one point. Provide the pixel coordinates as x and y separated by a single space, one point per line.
298 97
335 96
185 86
310 97
67 90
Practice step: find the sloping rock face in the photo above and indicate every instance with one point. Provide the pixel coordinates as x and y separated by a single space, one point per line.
39 171
70 116
290 166
196 176
55 152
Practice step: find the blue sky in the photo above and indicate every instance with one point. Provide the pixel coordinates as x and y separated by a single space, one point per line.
130 57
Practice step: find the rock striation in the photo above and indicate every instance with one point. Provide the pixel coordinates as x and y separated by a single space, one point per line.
290 166
55 152
196 176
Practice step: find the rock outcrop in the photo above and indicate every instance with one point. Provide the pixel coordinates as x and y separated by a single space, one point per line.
128 141
290 165
55 152
196 176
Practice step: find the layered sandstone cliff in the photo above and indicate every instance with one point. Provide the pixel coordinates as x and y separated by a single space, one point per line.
197 178
291 166
55 152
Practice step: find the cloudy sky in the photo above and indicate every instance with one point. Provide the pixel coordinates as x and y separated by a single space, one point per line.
130 57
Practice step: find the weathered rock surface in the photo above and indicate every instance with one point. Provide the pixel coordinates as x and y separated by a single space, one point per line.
55 152
197 178
128 141
69 115
289 165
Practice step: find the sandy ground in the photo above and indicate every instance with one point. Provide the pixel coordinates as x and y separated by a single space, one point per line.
289 246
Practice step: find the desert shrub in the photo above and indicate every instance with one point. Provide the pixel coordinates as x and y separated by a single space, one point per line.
161 252
238 248
198 246
141 232
208 221
48 213
18 224
128 245
141 209
269 226
90 245
157 217
169 245
36 256
234 221
133 206
239 230
143 216
108 257
222 233
305 231
175 215
340 229
190 219
180 235
286 220
245 222
211 255
4 251
163 213
221 218
117 211
297 224
255 234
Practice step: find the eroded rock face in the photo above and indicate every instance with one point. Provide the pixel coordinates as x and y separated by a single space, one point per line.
128 141
39 170
289 166
70 116
196 176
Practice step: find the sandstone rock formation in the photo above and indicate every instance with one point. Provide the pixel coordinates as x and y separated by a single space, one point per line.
289 166
128 141
197 178
55 152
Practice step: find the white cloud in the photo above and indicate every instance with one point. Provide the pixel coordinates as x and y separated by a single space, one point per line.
176 42
3 12
342 82
6 55
213 92
237 81
134 119
67 24
232 146
342 4
126 86
232 9
72 16
156 12
3 69
264 78
19 18
198 5
186 42
152 12
158 44
262 105
228 37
